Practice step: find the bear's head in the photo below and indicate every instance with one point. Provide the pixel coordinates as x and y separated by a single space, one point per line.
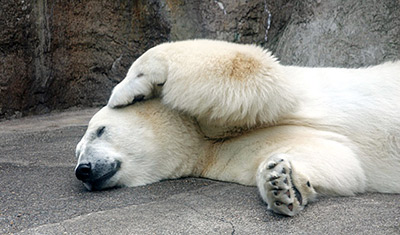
137 145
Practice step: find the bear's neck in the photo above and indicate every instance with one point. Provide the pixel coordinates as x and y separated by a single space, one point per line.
224 161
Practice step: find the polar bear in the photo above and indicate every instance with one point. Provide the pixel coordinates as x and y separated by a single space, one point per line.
231 112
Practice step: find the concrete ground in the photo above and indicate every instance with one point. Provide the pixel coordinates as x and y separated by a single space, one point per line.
40 195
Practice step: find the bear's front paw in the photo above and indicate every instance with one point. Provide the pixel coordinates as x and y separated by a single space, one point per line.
275 182
129 92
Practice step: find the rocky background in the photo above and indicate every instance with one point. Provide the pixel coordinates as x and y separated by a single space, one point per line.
59 54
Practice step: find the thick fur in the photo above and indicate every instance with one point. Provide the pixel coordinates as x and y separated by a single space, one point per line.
294 132
223 82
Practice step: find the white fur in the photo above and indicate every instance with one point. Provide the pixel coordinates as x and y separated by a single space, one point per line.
336 130
205 86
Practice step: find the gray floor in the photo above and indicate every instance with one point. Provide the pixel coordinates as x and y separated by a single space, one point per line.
40 195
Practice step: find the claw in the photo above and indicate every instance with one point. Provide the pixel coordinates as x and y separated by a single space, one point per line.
274 177
272 165
285 181
298 196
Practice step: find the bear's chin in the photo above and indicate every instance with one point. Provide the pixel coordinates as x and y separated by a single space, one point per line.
98 186
102 183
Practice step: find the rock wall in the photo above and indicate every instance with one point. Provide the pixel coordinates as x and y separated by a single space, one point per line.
60 54
339 33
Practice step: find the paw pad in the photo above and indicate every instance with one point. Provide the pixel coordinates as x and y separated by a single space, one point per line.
281 194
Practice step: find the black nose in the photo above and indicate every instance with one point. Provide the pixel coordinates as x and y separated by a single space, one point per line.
83 171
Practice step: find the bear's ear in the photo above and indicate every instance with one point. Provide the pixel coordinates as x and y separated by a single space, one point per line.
100 131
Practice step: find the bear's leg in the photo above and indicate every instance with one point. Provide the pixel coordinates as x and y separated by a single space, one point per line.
290 180
213 92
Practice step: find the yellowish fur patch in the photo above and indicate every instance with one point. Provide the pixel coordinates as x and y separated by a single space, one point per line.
241 66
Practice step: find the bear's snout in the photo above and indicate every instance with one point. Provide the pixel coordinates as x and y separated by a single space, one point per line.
83 171
95 175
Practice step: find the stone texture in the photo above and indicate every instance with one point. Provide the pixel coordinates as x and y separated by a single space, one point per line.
339 33
60 54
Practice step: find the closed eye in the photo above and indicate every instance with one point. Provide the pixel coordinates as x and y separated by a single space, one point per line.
100 131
